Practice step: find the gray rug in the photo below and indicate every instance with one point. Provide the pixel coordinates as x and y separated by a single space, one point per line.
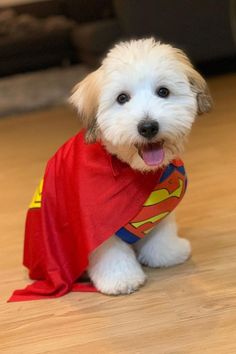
41 89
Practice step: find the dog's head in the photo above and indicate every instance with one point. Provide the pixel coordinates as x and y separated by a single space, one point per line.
141 102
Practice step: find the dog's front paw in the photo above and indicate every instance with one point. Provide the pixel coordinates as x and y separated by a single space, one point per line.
168 252
114 268
116 283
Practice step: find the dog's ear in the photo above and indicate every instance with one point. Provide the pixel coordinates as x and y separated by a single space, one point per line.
197 83
199 86
85 96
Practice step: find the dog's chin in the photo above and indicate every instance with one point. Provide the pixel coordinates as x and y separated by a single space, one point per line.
143 157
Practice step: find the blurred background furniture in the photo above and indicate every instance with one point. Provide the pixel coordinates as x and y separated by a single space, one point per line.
205 29
30 43
40 34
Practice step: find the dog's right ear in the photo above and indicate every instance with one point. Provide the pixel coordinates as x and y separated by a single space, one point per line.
85 96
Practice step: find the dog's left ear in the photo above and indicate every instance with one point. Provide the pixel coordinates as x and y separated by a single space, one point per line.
197 83
199 86
85 97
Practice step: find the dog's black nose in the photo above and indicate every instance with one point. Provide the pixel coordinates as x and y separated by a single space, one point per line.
148 129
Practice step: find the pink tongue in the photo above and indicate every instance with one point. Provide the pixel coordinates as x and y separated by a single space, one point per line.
153 154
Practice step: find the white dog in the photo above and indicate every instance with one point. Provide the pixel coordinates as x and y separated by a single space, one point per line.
145 93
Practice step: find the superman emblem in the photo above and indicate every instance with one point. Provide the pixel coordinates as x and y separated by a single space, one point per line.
37 198
167 194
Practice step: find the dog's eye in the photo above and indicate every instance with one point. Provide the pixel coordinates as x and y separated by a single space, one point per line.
123 98
163 92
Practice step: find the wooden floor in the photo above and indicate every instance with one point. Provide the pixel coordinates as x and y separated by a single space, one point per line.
185 309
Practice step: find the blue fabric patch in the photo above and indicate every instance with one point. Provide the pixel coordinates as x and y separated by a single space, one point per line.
126 236
168 171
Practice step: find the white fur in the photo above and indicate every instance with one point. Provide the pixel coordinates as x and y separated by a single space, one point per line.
139 68
114 268
162 247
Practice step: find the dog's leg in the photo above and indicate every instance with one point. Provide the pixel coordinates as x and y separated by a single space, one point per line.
114 269
163 247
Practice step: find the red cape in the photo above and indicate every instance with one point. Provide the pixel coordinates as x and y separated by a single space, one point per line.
87 196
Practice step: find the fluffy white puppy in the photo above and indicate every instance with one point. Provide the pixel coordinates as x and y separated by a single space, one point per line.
141 103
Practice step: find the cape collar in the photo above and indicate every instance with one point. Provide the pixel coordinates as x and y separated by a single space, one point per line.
117 166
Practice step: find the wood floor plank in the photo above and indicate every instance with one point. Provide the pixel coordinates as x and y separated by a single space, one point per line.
188 309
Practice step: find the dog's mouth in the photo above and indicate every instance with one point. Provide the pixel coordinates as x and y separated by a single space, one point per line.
152 154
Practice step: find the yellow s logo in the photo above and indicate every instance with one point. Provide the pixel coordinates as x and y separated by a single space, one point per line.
37 198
